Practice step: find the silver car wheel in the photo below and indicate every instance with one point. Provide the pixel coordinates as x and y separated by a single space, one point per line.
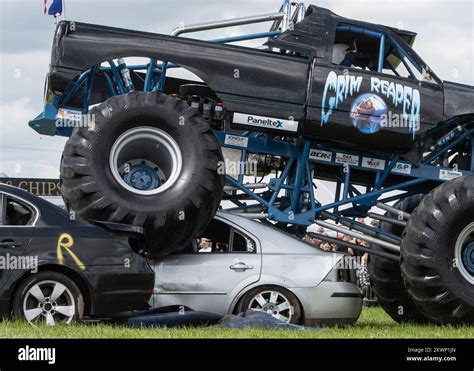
50 302
274 303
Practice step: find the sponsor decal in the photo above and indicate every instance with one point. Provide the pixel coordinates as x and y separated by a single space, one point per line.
373 163
344 158
402 168
265 122
317 154
69 114
236 140
449 174
369 108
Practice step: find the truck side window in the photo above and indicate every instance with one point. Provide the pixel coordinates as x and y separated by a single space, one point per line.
356 47
396 63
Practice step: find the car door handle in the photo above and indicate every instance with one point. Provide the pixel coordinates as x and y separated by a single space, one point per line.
9 244
240 266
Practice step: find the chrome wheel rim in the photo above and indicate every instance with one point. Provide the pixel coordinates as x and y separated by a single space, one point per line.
145 160
464 253
50 302
274 303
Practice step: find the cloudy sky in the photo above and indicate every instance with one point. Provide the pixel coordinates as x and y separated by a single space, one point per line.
445 42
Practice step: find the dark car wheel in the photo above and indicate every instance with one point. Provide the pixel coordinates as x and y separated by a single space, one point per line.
437 259
385 276
149 160
48 297
274 300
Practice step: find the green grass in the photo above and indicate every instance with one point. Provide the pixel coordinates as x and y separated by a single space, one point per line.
373 323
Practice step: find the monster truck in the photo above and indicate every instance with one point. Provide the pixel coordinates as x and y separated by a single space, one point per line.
326 98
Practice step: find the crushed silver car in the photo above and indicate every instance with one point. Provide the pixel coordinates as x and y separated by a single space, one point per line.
238 264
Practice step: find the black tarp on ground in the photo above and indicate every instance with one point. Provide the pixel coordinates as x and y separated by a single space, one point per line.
190 318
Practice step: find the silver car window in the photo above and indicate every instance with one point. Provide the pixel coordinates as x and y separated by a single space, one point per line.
241 243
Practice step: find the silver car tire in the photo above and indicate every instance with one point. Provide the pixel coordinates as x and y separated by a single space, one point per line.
48 297
275 300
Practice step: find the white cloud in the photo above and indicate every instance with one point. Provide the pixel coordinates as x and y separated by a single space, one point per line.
37 156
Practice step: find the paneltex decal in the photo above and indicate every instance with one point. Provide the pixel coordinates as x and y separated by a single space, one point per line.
236 140
344 158
265 122
317 154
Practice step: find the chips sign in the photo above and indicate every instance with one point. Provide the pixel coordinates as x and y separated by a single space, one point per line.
38 187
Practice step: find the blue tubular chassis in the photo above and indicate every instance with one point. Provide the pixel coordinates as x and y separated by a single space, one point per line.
290 196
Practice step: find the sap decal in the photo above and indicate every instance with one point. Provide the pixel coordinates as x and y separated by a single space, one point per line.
336 91
402 168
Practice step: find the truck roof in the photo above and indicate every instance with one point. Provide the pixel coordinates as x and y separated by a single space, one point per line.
309 37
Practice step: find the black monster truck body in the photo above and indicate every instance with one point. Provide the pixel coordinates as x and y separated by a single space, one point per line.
330 99
300 92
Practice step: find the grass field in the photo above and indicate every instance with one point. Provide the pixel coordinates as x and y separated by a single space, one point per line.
373 323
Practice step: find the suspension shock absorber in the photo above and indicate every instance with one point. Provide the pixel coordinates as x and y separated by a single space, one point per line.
125 72
447 138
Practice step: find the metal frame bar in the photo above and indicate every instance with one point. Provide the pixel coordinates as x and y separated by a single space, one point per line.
197 27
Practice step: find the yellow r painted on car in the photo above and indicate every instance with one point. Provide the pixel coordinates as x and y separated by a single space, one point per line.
66 242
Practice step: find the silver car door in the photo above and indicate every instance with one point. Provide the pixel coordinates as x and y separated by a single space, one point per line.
208 281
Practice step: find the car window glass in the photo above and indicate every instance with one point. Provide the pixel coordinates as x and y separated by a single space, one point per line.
17 213
215 238
241 243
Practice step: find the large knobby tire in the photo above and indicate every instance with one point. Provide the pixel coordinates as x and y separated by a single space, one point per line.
385 275
48 297
290 310
149 160
437 258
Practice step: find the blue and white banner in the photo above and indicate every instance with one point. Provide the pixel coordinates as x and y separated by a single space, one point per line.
53 7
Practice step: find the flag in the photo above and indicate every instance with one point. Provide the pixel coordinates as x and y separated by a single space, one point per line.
53 7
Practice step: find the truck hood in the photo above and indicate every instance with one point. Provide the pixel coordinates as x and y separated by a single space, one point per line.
458 99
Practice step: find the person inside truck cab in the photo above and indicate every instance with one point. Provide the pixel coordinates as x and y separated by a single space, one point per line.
346 56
